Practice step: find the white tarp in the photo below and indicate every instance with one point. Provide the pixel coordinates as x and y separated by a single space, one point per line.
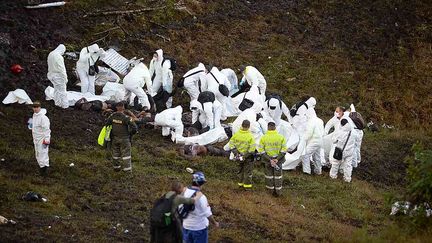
106 75
215 135
18 95
74 96
114 91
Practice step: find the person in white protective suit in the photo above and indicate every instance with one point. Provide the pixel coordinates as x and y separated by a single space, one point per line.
214 78
358 137
275 107
313 138
253 95
41 136
299 121
134 82
170 119
232 78
193 80
334 122
57 75
252 76
344 140
88 57
162 76
208 114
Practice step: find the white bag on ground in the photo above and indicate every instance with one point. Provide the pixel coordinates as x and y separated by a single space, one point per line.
18 95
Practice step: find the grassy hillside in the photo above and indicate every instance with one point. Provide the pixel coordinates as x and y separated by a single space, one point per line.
376 55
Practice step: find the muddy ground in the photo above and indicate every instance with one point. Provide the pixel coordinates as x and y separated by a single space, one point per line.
372 54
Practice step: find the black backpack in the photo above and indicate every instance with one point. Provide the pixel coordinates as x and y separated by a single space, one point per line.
223 89
160 214
206 96
184 211
358 120
172 61
294 109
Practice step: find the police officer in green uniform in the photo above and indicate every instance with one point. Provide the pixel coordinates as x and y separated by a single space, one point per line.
273 149
122 130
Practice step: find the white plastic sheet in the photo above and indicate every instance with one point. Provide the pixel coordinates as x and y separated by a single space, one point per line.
114 91
215 135
18 95
116 61
74 96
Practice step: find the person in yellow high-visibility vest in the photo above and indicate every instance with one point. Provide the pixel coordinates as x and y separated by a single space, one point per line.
273 148
242 144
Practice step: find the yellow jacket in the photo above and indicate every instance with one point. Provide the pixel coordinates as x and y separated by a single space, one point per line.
243 141
272 143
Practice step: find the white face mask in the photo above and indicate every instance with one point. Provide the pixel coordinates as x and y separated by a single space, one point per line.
336 114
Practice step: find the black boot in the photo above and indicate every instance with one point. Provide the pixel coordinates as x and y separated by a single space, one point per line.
44 171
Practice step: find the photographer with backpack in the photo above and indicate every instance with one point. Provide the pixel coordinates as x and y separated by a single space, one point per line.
196 220
165 223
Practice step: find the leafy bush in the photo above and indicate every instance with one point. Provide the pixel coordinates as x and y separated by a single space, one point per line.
419 175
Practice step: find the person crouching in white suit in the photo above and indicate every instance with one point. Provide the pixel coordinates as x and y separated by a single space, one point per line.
170 119
134 82
58 76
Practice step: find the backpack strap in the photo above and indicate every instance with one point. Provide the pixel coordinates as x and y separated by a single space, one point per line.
214 77
349 134
193 74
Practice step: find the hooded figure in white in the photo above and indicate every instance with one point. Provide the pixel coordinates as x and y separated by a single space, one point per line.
253 77
163 76
253 95
170 119
333 123
344 140
57 75
193 80
299 121
214 78
88 57
275 107
358 137
41 136
313 138
232 78
134 82
208 114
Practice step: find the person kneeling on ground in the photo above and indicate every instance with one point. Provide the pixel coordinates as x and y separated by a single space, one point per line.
173 231
242 144
123 127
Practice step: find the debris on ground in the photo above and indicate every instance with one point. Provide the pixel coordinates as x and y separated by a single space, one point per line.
34 197
46 5
408 209
4 220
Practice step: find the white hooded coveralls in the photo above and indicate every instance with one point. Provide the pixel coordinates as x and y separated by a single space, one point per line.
299 121
170 119
253 77
208 114
134 82
313 138
88 56
41 132
358 137
193 80
275 108
213 83
57 75
163 75
342 136
232 78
